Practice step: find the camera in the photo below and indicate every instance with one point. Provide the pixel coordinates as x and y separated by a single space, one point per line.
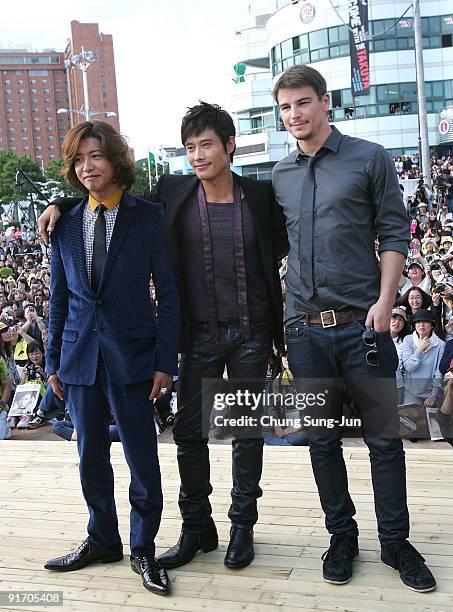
32 372
440 288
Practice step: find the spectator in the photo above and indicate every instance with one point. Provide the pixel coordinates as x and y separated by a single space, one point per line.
422 351
33 325
398 331
413 300
416 277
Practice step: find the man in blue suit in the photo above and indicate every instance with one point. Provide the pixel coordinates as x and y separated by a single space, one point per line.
110 347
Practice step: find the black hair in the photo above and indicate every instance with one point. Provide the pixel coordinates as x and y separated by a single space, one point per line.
205 116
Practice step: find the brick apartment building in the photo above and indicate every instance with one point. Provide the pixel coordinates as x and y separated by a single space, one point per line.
34 85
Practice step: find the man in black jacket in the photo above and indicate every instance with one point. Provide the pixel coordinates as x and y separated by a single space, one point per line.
225 235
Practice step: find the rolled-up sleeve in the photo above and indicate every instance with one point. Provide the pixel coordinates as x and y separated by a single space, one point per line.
391 221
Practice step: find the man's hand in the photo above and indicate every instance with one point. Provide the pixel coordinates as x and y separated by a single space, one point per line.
379 317
47 222
160 381
55 384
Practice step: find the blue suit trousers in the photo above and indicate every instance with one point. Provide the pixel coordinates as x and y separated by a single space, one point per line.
90 408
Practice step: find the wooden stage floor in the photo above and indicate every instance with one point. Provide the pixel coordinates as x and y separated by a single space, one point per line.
42 515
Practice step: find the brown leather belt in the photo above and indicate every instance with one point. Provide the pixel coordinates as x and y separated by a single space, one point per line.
330 318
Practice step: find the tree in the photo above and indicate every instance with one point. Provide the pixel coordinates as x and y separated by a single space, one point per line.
55 183
9 164
141 183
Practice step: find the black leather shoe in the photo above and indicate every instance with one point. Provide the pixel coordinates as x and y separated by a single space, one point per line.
240 551
154 577
337 566
187 547
85 554
403 557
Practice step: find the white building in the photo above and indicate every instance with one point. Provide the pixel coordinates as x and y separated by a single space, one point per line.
277 34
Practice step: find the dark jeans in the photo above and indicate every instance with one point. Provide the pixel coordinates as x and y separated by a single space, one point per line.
339 354
207 358
65 429
50 405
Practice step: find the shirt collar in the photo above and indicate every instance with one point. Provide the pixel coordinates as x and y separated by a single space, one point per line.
332 143
110 203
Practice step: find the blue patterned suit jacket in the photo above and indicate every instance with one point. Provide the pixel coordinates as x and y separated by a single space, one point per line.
135 337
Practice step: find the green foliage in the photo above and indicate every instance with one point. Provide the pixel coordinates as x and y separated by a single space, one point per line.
9 163
55 184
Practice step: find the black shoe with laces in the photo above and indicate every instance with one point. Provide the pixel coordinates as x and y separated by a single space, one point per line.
337 566
154 577
84 555
414 573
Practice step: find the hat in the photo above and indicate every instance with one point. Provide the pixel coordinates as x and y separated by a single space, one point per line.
445 239
422 204
3 327
415 263
400 311
424 315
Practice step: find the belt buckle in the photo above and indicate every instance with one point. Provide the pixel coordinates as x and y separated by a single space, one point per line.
328 313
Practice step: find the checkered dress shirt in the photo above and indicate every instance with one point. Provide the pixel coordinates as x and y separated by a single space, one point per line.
89 219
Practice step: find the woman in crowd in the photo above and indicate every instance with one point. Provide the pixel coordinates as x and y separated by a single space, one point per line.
422 352
414 300
416 277
34 373
398 331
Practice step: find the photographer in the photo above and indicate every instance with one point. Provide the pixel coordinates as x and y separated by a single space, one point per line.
34 373
442 307
33 325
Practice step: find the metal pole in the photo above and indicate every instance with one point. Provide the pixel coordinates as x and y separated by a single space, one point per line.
149 174
86 100
423 117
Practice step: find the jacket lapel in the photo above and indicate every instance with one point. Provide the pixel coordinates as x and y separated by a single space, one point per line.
74 225
123 223
255 204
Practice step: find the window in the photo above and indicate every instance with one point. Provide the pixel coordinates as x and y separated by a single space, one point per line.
18 72
318 39
336 98
447 41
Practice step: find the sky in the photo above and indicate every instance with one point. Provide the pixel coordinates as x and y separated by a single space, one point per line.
168 54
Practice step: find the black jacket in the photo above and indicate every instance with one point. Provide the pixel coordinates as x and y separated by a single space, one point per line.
173 191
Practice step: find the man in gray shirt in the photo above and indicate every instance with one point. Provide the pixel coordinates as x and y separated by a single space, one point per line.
339 195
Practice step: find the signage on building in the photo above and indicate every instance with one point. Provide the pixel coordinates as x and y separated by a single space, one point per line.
405 23
444 127
359 47
448 20
307 12
444 122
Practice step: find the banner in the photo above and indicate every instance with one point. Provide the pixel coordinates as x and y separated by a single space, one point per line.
358 45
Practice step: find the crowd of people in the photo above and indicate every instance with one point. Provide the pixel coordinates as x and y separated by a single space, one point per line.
421 327
24 316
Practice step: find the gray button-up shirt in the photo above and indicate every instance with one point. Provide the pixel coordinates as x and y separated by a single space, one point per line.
357 199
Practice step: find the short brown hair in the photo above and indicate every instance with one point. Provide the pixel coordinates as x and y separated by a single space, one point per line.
113 145
301 76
